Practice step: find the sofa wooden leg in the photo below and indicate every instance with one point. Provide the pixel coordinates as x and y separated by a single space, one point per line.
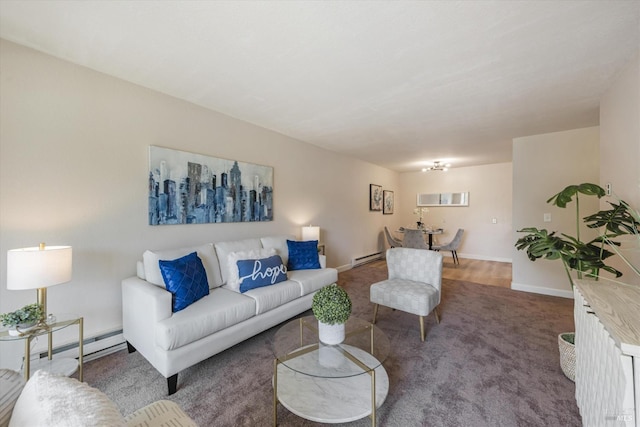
421 328
130 348
435 311
172 383
375 313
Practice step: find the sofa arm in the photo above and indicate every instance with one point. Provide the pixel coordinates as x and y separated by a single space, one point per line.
143 306
160 413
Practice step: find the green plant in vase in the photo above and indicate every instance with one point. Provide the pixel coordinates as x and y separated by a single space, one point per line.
23 319
332 306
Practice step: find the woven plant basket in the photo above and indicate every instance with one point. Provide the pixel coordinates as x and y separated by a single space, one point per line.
567 357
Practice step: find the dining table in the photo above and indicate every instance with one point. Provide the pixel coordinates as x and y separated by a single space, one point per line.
430 232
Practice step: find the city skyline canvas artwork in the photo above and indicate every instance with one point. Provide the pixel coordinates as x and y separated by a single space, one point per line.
189 188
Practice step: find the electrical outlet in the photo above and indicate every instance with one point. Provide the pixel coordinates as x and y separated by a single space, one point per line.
494 220
547 217
608 189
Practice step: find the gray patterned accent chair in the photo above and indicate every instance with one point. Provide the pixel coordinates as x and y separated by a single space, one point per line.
414 284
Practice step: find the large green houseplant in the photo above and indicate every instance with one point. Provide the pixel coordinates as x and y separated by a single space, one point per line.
586 258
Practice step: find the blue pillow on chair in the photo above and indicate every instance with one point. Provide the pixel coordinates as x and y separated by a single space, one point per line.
303 255
186 279
256 273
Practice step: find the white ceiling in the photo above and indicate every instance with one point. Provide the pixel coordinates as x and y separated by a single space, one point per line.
395 83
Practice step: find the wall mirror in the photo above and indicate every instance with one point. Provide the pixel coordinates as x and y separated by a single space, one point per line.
443 199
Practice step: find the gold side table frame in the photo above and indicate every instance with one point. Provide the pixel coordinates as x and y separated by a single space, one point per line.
48 329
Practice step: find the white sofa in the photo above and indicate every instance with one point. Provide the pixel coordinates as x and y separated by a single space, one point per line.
172 341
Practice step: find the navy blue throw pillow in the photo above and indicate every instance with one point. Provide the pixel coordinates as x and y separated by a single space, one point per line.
256 273
186 279
303 255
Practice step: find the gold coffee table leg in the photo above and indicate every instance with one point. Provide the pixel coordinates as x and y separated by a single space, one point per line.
275 392
373 398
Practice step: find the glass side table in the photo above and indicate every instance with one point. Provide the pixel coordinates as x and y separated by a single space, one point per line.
330 383
65 366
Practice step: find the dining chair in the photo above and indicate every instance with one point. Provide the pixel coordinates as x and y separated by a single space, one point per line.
452 246
414 239
393 242
414 284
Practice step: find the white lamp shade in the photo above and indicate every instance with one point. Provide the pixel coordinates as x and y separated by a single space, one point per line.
310 232
32 268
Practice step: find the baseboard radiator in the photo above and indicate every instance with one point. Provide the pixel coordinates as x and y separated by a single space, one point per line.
355 262
93 348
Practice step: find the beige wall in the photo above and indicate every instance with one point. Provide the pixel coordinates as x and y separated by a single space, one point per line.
490 195
620 145
74 167
543 165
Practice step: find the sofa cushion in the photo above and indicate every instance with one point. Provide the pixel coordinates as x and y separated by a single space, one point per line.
303 255
279 243
233 280
220 309
312 280
56 401
256 273
223 249
186 279
206 253
270 297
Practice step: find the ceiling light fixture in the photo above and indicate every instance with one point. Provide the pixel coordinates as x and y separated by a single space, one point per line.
438 166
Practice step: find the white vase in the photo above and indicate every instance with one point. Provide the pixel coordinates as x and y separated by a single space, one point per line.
21 329
331 334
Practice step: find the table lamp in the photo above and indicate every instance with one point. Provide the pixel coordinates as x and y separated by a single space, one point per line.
311 232
38 268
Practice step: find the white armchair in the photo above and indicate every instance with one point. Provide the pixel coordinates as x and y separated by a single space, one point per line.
414 284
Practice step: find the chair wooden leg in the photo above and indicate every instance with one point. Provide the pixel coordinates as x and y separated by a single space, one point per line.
375 313
421 328
435 311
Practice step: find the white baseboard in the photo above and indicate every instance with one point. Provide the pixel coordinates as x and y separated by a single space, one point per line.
343 268
540 290
480 257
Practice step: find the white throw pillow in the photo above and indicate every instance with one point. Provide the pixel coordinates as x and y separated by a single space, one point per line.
233 281
206 253
280 245
55 401
223 249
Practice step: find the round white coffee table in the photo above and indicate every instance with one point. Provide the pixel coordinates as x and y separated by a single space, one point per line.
330 384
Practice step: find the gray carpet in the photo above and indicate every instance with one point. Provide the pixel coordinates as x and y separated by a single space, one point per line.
492 361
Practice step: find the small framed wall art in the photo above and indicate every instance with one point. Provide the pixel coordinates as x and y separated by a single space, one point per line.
375 197
387 202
